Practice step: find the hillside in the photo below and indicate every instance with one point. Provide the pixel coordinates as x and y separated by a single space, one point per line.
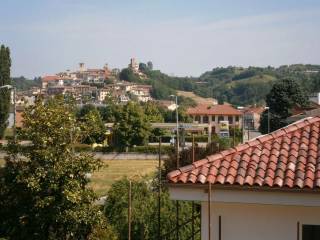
236 85
196 98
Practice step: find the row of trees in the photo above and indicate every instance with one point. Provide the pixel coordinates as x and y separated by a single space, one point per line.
44 190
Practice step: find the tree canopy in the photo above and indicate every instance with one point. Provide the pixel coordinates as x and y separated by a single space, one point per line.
283 96
44 192
5 64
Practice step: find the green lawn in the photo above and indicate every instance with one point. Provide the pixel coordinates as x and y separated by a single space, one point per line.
116 169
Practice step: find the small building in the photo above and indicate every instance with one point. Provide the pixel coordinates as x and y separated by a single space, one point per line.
251 117
214 114
267 188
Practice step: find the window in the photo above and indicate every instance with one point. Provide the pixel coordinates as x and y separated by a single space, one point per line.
205 119
220 118
213 118
197 118
310 232
237 118
230 119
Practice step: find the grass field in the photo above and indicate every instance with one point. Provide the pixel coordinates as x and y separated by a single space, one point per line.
196 98
116 169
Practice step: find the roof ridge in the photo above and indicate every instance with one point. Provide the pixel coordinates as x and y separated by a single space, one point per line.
249 155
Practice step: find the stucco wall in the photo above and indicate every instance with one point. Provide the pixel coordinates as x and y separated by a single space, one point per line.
257 221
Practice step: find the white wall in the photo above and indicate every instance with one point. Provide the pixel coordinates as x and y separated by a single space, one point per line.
257 221
252 214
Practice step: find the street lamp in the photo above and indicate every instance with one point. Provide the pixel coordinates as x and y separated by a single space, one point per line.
267 108
177 126
14 108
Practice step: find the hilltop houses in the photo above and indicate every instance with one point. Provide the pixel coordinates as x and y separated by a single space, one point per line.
92 84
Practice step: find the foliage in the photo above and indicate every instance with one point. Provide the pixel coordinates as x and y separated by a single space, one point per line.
5 64
152 112
132 127
44 193
127 74
23 84
144 210
236 85
283 96
95 126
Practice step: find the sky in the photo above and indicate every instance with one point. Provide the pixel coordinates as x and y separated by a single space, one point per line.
180 37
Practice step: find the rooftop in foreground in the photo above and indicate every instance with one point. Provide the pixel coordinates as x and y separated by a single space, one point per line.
287 158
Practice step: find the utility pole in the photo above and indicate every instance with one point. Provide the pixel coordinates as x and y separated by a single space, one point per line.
129 211
177 128
267 108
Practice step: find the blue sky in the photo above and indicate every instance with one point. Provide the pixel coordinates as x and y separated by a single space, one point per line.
181 37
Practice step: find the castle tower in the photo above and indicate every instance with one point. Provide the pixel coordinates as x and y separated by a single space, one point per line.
82 67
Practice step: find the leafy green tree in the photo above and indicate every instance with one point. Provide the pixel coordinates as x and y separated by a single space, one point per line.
5 64
132 127
93 123
128 75
143 67
152 112
283 96
144 210
44 186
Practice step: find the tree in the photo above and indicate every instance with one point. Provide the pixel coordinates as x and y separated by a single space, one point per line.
95 126
152 112
132 127
5 64
283 96
144 210
44 186
143 67
128 75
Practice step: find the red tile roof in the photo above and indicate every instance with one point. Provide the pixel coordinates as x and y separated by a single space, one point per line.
286 158
49 78
204 109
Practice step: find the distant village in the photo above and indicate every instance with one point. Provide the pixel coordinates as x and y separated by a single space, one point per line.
98 86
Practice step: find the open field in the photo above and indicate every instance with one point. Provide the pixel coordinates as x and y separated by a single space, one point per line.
116 169
196 98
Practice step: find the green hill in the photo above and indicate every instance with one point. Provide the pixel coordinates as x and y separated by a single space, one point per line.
237 85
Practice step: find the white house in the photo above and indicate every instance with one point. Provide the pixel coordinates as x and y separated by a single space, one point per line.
267 188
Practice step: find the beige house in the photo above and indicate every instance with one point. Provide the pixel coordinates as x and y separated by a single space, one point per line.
267 188
214 114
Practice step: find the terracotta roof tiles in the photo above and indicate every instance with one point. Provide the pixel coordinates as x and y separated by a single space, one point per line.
289 157
205 109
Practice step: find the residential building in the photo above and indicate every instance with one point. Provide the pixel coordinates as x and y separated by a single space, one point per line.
315 97
251 117
142 92
266 188
214 114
